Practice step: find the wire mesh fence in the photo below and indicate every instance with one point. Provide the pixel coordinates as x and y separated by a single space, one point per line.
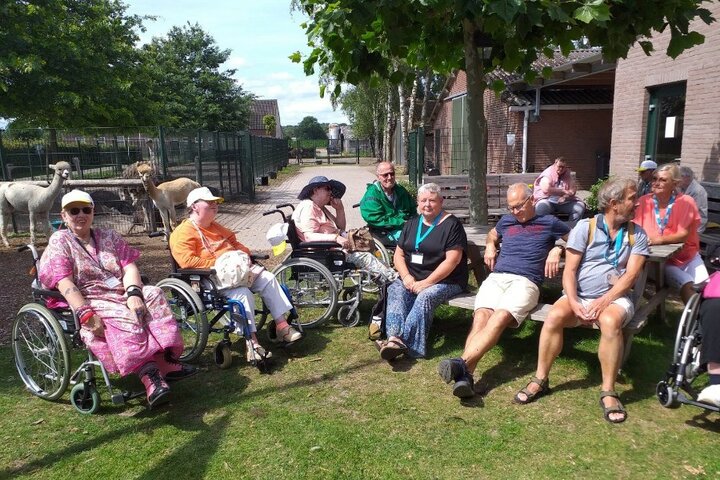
103 163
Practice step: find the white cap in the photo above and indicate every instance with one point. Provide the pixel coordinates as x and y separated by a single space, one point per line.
647 165
76 196
202 193
277 236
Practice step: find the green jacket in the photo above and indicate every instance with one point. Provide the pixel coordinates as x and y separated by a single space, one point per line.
378 212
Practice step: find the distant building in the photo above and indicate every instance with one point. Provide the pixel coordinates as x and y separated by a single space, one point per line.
258 110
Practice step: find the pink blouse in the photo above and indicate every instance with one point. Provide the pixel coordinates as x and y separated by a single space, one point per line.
312 224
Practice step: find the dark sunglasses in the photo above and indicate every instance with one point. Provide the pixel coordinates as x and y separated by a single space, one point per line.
76 210
384 175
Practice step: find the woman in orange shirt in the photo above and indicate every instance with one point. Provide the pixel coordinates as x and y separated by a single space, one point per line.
669 216
197 243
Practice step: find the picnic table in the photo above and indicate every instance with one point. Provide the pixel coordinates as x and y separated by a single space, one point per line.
646 300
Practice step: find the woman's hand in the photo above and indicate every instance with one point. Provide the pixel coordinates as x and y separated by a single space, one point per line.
95 326
137 306
337 204
420 286
408 281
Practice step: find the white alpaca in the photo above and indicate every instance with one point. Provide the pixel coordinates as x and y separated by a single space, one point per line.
166 195
32 199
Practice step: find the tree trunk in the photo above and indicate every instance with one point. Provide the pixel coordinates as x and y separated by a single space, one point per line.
411 107
477 126
403 123
426 95
387 134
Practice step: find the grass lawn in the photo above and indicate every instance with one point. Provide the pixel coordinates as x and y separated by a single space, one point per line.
333 409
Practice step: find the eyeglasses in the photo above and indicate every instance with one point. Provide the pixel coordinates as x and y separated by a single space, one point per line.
385 175
517 208
76 210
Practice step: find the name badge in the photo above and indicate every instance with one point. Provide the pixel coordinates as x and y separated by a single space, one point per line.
416 258
112 282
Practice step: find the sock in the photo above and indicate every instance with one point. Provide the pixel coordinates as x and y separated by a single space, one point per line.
281 325
714 378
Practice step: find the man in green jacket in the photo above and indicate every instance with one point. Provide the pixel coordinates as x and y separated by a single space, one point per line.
386 206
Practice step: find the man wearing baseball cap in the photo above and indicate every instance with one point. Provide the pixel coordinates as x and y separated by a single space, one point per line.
646 171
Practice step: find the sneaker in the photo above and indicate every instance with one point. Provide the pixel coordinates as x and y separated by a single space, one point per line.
158 391
464 387
710 395
290 335
375 329
184 372
452 369
257 353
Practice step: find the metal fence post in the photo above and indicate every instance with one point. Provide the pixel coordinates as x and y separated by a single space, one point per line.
163 151
420 155
198 159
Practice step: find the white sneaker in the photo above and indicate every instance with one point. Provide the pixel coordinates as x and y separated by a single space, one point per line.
291 335
711 395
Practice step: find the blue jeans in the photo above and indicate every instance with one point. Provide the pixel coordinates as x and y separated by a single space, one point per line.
574 208
409 316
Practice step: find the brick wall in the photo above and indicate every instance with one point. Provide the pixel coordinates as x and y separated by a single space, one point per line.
699 67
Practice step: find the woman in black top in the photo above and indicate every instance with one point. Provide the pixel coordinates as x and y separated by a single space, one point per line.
431 261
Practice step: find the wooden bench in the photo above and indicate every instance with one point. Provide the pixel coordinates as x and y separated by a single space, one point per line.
455 190
711 235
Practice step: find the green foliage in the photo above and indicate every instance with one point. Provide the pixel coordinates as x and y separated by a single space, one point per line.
310 128
592 200
365 107
270 124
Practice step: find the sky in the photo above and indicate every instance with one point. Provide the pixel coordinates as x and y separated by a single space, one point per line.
262 34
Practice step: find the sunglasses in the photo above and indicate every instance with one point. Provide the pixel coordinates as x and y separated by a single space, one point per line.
385 175
76 210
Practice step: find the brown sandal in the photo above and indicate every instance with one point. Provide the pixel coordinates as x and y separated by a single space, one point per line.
619 408
530 396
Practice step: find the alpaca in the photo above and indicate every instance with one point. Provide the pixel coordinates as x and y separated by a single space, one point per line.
166 195
32 199
136 196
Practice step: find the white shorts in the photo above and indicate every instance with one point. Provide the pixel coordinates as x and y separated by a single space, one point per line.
693 272
624 302
507 291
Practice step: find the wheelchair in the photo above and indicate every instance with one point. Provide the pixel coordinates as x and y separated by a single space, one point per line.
42 340
193 297
320 281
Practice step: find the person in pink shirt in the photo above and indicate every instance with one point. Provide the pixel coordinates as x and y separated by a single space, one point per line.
314 222
669 216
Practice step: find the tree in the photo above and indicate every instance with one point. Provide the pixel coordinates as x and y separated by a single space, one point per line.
67 63
355 40
189 90
310 129
270 124
365 107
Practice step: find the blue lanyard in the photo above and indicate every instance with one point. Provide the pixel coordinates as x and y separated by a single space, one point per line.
419 238
662 223
616 248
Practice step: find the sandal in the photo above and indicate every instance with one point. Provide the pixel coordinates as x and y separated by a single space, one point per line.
392 349
257 354
619 408
530 396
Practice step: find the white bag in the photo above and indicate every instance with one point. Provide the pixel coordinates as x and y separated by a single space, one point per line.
232 269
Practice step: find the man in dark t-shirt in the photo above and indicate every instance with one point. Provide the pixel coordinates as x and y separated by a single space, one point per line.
511 291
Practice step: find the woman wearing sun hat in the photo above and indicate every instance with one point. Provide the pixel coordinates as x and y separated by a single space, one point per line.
314 222
198 242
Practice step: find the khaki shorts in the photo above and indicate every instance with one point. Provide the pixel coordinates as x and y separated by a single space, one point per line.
624 302
507 291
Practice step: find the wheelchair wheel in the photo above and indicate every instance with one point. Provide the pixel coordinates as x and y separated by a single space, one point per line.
382 254
41 352
189 312
85 398
313 290
686 326
666 395
223 355
345 318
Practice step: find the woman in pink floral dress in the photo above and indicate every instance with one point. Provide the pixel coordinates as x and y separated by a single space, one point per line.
128 326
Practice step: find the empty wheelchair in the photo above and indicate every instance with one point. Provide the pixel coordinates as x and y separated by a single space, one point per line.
43 340
321 283
202 310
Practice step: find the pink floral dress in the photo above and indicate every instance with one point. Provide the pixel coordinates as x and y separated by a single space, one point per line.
128 344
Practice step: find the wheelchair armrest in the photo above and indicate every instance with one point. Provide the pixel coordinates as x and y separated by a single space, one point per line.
258 256
196 271
48 293
320 245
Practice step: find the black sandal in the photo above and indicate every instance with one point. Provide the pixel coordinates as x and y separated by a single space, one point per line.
530 396
619 408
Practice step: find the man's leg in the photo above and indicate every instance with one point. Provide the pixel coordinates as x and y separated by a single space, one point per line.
560 317
484 334
543 207
610 353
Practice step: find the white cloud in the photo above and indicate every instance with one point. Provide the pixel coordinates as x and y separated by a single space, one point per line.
235 61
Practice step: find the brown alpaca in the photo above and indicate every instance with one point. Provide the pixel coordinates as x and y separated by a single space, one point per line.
166 195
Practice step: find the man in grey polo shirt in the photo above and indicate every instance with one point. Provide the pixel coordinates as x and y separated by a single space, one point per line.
691 187
603 259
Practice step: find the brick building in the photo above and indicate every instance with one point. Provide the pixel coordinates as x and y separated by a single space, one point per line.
569 114
258 110
669 110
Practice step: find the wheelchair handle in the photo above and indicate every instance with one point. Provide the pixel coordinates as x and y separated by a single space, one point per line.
161 233
258 256
270 212
286 205
356 205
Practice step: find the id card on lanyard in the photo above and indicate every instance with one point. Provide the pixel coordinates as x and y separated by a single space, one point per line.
111 281
417 257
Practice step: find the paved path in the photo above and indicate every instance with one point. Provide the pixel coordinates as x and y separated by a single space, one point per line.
249 225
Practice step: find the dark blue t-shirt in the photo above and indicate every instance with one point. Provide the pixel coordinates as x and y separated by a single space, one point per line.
525 245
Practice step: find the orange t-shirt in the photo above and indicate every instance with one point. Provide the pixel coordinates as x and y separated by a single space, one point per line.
190 251
684 214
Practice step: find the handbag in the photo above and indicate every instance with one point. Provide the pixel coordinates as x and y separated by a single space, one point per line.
233 269
360 240
712 289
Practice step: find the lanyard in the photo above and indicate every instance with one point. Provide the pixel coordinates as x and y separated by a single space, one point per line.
616 248
418 237
662 223
97 246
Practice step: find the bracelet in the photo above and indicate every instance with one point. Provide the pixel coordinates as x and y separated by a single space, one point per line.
86 316
80 311
134 291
